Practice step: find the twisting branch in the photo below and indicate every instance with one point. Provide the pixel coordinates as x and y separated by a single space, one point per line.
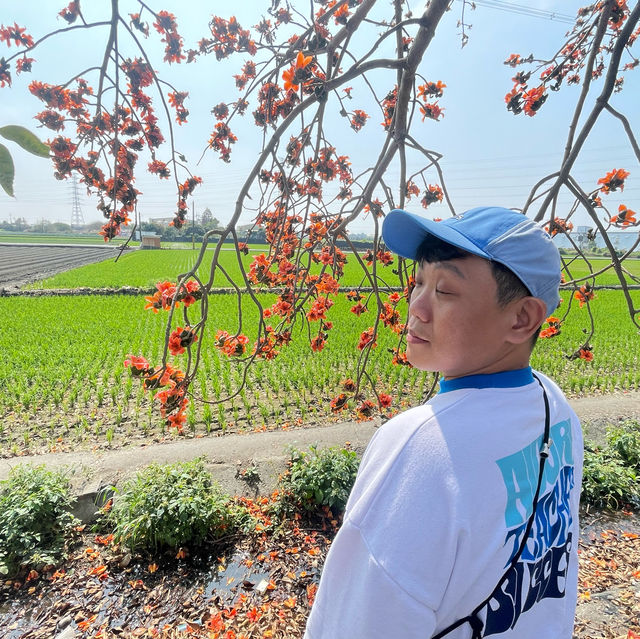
627 129
582 196
600 104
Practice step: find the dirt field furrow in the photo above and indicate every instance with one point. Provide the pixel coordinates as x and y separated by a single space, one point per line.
20 265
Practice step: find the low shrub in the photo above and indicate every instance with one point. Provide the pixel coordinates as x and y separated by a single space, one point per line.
625 440
319 478
606 481
172 505
35 518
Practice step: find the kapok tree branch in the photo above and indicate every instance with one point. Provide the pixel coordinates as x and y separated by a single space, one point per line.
584 199
603 20
428 23
600 104
627 129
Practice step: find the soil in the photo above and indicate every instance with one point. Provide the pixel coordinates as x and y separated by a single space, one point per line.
597 412
249 583
609 576
609 580
22 264
259 582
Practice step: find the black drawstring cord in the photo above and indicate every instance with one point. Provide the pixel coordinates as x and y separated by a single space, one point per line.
477 625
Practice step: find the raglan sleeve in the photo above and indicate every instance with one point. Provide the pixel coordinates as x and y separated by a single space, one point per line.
390 564
358 598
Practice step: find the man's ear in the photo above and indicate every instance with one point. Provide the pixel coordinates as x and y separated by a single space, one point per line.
529 314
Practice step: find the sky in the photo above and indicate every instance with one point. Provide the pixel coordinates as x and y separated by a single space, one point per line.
490 157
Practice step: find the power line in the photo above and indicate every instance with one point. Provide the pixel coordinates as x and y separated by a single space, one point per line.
512 7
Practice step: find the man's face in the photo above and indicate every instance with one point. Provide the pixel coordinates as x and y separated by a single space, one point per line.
455 324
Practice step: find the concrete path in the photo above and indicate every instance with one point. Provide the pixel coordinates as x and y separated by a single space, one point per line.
228 454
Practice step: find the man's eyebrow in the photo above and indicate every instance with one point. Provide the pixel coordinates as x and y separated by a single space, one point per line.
453 268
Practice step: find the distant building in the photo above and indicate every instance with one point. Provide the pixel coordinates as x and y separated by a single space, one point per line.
150 240
162 221
621 240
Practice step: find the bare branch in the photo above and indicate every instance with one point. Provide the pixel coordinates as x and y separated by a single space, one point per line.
600 104
627 129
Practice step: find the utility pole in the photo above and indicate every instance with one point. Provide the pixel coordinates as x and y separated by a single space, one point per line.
77 218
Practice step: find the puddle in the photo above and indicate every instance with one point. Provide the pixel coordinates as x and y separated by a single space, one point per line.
223 578
14 618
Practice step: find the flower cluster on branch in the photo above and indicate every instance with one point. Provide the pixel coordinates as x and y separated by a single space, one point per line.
292 71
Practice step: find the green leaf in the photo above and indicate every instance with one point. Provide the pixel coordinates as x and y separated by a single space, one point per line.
7 170
24 138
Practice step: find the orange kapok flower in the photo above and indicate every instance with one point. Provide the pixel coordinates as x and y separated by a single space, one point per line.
553 329
366 409
584 294
367 339
585 353
399 358
358 119
138 364
318 343
558 225
534 99
613 180
349 385
431 195
289 80
513 60
311 593
625 217
431 89
431 110
254 614
16 34
338 403
358 309
297 73
181 339
302 61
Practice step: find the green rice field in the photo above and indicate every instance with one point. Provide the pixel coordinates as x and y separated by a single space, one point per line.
145 268
64 383
65 386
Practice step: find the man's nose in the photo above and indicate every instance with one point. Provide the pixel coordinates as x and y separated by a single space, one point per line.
420 306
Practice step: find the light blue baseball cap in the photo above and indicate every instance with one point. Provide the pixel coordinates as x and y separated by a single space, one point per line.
492 232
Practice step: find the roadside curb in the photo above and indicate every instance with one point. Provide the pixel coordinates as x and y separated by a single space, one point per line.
93 473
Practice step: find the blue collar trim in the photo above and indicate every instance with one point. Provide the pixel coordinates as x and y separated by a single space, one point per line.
505 379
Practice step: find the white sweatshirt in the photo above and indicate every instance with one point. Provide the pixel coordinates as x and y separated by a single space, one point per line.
441 501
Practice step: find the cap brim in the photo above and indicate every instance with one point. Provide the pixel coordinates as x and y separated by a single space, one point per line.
403 233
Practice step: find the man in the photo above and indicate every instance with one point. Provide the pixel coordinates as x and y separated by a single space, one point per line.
463 521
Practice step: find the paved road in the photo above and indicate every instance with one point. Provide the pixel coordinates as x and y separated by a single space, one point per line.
228 453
